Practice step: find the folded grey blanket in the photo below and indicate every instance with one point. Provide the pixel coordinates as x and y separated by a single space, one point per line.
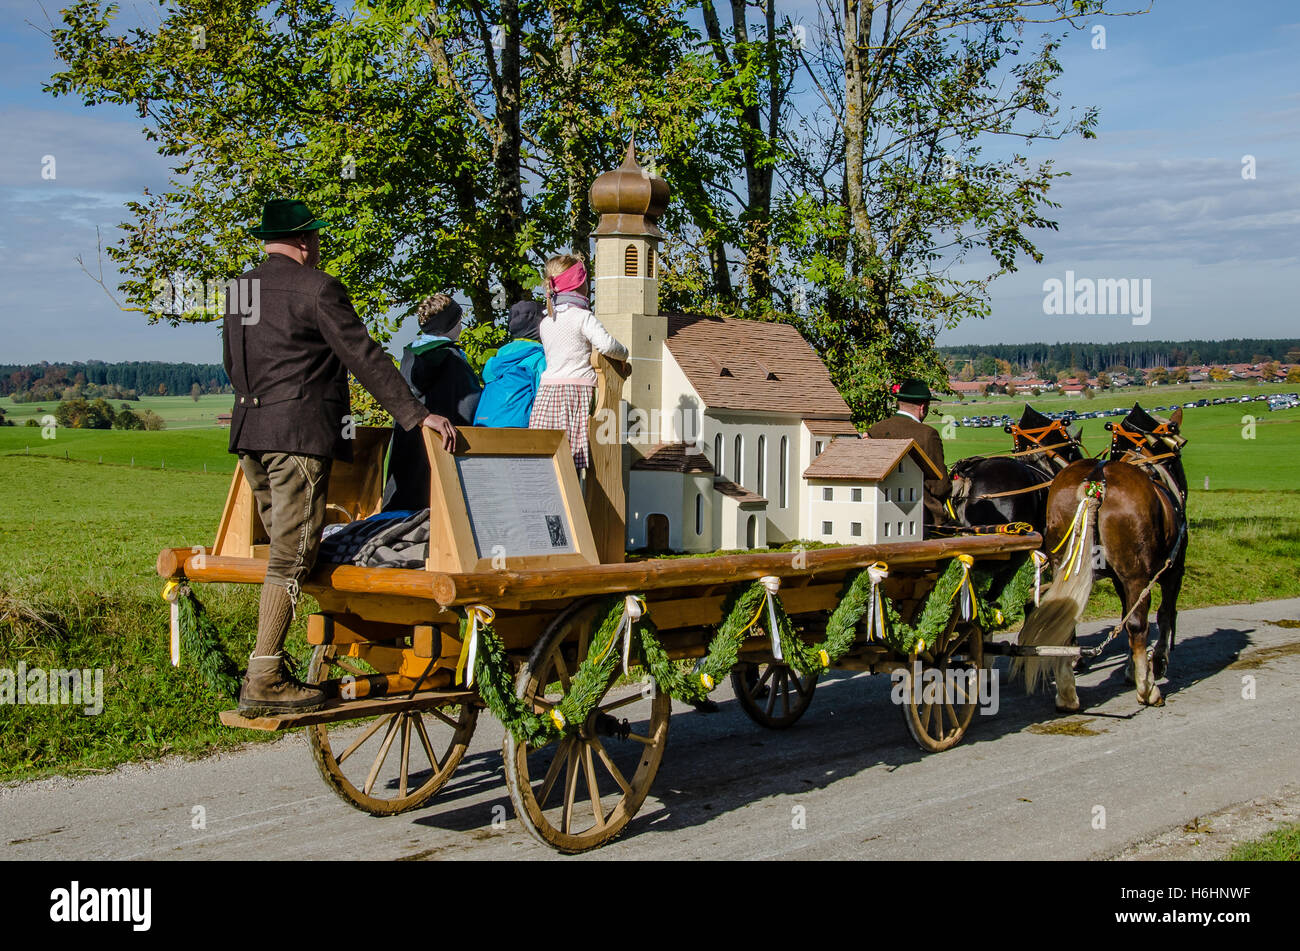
386 540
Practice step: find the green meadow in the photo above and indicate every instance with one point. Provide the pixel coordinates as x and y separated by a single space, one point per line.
78 540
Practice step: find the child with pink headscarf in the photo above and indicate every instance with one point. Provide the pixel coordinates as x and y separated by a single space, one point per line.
569 332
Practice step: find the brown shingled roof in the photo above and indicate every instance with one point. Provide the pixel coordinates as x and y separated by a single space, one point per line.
831 427
753 365
673 457
865 459
737 492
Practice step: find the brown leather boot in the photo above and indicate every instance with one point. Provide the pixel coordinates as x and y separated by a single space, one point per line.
268 690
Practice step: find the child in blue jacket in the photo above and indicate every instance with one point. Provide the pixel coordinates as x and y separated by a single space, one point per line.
512 376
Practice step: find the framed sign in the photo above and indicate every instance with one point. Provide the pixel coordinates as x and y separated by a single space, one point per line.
506 498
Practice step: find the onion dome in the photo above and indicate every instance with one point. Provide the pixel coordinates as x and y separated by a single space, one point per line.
629 199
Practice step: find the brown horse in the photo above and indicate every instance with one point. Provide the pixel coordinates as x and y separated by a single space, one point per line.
1124 519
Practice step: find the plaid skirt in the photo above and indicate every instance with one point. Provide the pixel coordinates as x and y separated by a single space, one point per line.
565 406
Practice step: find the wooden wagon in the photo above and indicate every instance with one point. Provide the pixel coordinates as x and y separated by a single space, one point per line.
591 633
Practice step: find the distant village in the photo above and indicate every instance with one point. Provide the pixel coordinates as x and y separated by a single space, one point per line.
966 384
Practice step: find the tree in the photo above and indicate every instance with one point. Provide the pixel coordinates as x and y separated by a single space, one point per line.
162 389
1160 375
1269 371
967 372
1219 374
195 392
1293 374
1182 375
127 419
1103 380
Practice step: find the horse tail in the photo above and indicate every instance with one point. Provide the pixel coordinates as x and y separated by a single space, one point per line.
1052 623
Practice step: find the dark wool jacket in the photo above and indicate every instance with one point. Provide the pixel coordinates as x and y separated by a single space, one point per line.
289 368
442 378
900 426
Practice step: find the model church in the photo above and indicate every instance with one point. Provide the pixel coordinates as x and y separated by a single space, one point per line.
734 435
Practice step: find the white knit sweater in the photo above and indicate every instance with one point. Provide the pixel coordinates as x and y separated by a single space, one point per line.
568 340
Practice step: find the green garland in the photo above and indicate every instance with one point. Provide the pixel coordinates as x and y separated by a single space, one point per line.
589 682
1000 596
201 644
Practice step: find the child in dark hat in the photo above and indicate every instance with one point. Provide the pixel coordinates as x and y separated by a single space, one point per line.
440 376
512 375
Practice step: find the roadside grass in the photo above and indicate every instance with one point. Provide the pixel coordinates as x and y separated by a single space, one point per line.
1280 845
78 589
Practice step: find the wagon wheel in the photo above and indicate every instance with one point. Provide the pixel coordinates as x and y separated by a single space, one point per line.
937 726
580 791
396 761
774 695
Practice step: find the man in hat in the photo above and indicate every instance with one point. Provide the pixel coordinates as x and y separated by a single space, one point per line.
288 357
441 378
908 423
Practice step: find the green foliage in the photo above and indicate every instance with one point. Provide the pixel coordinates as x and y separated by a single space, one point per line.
480 343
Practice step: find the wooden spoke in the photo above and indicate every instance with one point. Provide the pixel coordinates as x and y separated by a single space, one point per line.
385 786
615 704
751 681
406 754
593 791
561 754
381 755
424 741
610 767
570 791
370 731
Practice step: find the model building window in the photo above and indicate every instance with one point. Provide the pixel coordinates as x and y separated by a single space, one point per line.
856 495
762 465
817 448
783 463
717 455
699 513
738 456
900 529
855 528
828 494
884 494
911 528
629 261
911 494
650 263
886 529
900 493
827 528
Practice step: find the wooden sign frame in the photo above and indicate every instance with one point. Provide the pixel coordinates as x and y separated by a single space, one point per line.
451 537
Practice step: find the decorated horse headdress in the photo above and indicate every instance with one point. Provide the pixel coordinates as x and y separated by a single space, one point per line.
1141 433
1036 435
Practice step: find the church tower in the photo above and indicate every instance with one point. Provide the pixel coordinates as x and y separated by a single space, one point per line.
630 200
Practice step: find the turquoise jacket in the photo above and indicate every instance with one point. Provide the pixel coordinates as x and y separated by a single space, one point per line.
510 382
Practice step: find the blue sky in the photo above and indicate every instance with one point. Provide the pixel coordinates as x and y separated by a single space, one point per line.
1185 92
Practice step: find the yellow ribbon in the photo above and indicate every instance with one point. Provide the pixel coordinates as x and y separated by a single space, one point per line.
171 594
558 718
475 613
825 658
1040 561
707 681
967 562
877 572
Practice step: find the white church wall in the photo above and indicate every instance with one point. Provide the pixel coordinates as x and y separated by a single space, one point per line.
782 521
654 493
842 512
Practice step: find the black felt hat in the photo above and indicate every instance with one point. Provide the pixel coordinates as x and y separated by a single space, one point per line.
912 391
525 319
285 218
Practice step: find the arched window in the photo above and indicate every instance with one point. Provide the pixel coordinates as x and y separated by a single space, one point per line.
718 461
751 532
762 465
699 513
737 456
629 261
782 463
650 262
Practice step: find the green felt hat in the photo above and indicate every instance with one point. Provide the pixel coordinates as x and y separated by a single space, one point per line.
284 218
912 391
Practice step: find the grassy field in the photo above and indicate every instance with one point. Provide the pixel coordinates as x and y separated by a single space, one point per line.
78 541
180 412
1280 845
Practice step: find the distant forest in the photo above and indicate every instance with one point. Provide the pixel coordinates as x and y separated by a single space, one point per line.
1047 359
46 381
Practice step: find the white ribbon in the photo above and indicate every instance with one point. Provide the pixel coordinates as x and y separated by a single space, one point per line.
632 611
772 584
476 612
1040 561
876 606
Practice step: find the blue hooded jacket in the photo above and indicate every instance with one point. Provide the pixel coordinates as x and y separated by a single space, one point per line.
511 379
